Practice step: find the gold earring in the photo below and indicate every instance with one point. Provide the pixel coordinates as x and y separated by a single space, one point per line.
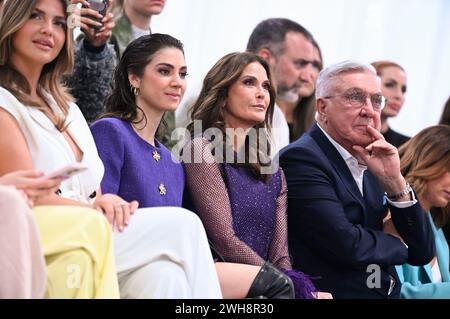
134 90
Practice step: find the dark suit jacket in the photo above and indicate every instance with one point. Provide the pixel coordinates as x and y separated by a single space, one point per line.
335 233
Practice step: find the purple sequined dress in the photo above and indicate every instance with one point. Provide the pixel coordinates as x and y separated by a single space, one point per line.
253 206
245 218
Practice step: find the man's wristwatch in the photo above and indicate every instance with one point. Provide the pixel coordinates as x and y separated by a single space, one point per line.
395 197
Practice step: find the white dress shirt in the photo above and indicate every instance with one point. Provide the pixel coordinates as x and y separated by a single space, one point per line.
280 129
357 171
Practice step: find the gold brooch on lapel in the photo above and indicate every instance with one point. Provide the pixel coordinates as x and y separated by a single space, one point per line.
162 189
156 156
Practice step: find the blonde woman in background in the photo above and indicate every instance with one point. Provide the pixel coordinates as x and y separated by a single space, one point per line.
393 88
425 163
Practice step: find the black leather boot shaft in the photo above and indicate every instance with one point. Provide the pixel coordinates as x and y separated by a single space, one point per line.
271 283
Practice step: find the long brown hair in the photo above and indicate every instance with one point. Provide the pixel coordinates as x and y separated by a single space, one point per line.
209 106
13 15
426 157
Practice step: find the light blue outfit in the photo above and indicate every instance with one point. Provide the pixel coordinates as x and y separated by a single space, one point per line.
417 280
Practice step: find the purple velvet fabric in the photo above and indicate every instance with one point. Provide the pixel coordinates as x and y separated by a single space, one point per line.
131 170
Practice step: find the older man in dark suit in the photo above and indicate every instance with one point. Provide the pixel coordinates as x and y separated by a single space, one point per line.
343 179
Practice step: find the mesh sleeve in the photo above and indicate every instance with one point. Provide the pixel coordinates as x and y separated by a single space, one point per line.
278 250
210 197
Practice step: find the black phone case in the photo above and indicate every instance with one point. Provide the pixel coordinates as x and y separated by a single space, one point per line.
99 6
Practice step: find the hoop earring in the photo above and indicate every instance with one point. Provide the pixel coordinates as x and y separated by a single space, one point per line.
134 90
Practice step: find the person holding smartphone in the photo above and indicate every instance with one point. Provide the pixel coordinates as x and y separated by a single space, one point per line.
22 266
41 128
45 253
96 58
36 49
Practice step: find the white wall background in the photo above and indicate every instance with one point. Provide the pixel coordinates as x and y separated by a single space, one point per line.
414 33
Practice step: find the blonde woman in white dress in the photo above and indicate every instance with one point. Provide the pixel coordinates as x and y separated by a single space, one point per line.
40 128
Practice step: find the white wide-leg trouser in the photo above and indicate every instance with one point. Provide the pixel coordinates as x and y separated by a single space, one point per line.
164 253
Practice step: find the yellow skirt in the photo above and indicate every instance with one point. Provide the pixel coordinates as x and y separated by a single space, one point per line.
78 249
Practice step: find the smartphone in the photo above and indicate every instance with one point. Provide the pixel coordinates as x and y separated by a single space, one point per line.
101 6
67 171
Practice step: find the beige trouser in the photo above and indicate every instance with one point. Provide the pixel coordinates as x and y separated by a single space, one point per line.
22 266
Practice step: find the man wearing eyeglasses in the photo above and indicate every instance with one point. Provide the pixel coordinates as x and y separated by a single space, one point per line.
343 178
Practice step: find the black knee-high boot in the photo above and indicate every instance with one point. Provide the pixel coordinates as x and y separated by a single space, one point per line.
271 283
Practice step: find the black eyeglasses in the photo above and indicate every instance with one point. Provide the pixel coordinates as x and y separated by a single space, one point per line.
358 99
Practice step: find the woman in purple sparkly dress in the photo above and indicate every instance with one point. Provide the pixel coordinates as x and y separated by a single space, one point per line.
236 188
149 80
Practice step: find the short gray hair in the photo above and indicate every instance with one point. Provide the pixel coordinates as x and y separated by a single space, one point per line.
327 76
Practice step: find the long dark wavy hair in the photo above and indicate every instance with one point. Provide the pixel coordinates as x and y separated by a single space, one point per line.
209 109
121 102
426 157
